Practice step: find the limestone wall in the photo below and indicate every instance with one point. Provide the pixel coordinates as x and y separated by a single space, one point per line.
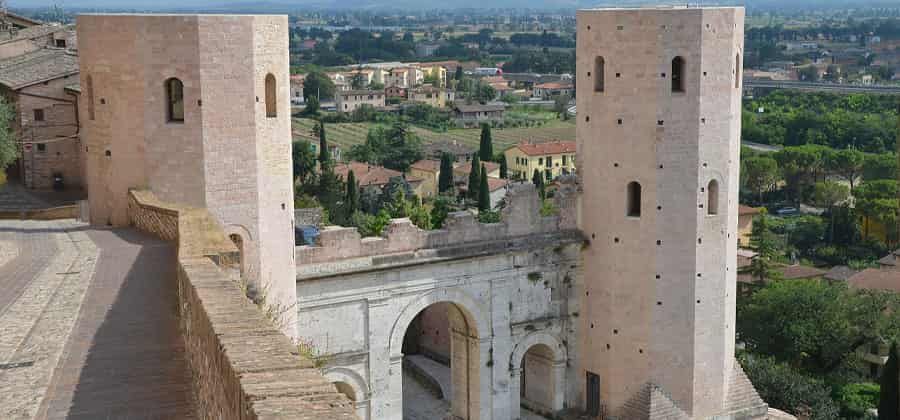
242 366
521 217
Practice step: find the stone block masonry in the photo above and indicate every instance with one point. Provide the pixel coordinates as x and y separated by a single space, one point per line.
242 366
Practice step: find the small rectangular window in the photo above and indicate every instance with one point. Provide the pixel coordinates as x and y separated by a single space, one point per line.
39 115
41 147
540 161
564 160
549 160
60 43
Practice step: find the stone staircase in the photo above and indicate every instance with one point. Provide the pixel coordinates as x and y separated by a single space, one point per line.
743 401
651 402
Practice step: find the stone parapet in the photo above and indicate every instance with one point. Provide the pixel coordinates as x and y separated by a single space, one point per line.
242 366
521 217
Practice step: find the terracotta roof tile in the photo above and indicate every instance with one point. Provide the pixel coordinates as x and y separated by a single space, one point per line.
876 279
37 66
549 148
747 210
429 165
367 174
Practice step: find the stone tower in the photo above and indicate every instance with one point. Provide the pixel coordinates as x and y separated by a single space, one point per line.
196 109
659 102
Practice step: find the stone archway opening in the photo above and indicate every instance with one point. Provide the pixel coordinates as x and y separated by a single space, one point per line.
441 364
537 387
346 389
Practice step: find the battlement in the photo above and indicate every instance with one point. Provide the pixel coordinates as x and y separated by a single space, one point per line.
521 217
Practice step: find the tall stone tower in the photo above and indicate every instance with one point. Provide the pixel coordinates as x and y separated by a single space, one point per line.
659 102
196 109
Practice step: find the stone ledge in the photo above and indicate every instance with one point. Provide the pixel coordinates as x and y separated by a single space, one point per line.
242 367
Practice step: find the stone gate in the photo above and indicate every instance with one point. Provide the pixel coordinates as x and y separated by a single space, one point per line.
482 298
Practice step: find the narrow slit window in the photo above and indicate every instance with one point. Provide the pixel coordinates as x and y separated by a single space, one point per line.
271 104
678 74
599 74
712 193
634 199
174 100
737 71
89 81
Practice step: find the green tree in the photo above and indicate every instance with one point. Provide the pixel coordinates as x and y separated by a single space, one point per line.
848 164
474 179
486 147
8 150
304 160
880 166
324 153
760 174
439 210
330 191
445 176
785 388
358 81
815 325
504 169
312 106
536 178
484 192
889 399
317 84
351 200
763 241
829 194
877 200
857 398
458 75
796 164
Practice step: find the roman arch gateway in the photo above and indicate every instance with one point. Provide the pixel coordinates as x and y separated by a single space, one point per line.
620 306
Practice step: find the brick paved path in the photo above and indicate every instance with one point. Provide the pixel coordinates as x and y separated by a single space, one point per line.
105 343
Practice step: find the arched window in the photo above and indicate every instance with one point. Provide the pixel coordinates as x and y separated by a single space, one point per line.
634 199
599 74
712 196
174 100
737 71
89 89
271 108
678 74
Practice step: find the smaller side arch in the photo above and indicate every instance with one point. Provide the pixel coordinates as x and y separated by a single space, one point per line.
350 377
560 353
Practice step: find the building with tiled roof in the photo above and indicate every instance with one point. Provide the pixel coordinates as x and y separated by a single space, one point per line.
369 175
891 260
471 115
20 41
40 85
551 159
350 100
746 214
876 279
552 89
428 170
461 171
459 151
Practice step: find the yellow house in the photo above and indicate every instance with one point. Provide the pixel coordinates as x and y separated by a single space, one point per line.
551 159
746 214
438 71
428 170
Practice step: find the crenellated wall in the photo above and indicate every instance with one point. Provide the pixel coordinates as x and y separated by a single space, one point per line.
520 217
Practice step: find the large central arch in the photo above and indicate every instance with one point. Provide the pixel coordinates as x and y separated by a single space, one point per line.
469 350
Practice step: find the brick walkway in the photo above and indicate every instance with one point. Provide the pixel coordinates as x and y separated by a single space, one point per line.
115 351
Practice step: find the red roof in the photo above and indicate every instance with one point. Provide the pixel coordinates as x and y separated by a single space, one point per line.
367 174
554 85
550 148
429 165
876 279
495 184
746 210
464 168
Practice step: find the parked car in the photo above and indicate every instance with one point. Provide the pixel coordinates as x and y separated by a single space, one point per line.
787 211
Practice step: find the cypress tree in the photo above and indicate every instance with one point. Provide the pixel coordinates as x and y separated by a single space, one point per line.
459 73
351 201
445 177
484 193
324 154
474 178
536 178
486 148
889 398
504 170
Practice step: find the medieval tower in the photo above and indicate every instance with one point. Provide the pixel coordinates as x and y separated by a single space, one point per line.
196 109
659 102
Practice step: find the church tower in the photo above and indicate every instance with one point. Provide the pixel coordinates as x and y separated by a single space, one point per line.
659 122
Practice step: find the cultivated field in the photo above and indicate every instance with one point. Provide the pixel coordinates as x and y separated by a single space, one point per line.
348 134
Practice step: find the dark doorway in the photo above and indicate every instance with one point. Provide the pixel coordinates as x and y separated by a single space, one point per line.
593 394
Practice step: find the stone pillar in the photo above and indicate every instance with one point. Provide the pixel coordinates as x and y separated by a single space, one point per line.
515 391
385 374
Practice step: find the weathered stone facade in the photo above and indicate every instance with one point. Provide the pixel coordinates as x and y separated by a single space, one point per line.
658 132
229 150
512 285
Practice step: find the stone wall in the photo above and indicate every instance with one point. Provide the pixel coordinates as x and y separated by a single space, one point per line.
242 366
521 217
52 213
